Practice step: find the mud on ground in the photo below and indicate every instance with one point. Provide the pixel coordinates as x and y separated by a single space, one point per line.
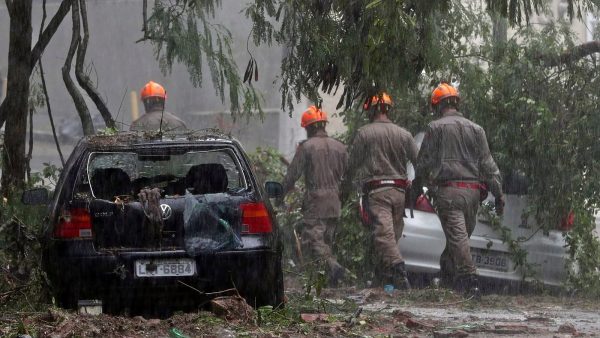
347 312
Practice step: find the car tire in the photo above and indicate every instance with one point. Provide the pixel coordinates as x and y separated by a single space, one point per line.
66 298
278 294
270 290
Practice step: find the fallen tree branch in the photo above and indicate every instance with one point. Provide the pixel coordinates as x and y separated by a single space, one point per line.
209 293
84 81
571 55
80 105
14 290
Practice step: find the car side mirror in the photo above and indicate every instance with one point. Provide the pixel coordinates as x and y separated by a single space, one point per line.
35 196
274 189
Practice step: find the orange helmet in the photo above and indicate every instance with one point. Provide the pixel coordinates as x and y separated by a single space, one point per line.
153 89
313 115
443 91
383 97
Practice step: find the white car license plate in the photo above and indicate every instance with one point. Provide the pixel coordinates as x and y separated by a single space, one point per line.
490 260
165 267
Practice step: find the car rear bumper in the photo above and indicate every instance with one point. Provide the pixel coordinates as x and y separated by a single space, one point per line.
102 275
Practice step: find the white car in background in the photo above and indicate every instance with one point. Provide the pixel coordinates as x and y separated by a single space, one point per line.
423 240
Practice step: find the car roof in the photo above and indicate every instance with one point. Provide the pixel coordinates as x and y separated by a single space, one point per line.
137 139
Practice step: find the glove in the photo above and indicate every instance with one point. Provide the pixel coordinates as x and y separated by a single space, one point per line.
499 205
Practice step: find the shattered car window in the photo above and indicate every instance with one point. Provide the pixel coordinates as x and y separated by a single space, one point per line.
111 174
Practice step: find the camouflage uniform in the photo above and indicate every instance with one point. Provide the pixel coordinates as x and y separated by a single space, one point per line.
455 157
381 151
322 160
150 121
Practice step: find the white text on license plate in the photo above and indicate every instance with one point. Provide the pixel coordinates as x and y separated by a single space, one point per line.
490 260
165 267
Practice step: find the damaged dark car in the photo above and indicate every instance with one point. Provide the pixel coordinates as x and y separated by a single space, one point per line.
141 221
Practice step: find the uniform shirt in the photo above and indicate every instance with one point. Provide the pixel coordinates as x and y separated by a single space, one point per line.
150 121
456 149
322 160
381 150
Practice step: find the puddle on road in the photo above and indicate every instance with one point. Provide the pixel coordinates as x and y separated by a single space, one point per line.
552 319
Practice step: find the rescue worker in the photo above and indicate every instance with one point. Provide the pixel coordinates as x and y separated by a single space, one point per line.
455 161
380 153
322 160
154 97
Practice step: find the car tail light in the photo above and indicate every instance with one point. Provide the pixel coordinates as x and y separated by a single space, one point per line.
255 218
566 223
74 223
422 204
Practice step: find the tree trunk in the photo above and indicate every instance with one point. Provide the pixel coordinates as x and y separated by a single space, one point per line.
15 104
45 37
500 35
84 81
78 100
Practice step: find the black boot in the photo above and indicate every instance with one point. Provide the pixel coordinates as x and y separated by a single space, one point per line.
446 280
336 274
468 285
399 277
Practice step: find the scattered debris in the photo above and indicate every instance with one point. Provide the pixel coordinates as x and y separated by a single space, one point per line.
401 315
450 333
311 317
153 322
538 319
352 320
232 308
567 328
384 316
415 324
510 329
176 333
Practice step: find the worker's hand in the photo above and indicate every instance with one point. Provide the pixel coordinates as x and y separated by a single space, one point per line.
499 205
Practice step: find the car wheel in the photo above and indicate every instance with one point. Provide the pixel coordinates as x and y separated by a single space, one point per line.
278 294
66 298
269 291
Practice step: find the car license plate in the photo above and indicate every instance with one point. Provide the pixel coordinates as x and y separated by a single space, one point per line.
165 267
490 260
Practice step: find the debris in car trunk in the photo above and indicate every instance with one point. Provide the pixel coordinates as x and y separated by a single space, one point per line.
232 308
211 223
150 200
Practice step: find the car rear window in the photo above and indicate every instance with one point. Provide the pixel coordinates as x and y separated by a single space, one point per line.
112 174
